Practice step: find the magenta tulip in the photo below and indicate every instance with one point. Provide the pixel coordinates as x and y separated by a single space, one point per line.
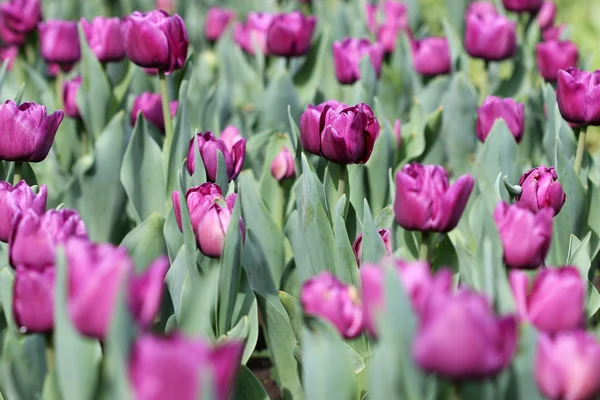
386 237
348 54
208 146
149 104
553 56
541 189
59 42
18 198
546 16
529 6
8 56
70 89
10 37
145 291
489 36
290 34
169 6
33 299
283 166
577 94
216 22
431 56
553 33
394 20
494 108
104 37
483 8
252 35
310 125
21 16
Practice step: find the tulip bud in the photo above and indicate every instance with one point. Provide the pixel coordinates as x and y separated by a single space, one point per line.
253 34
426 202
210 214
553 56
388 28
541 189
566 366
59 42
556 300
491 37
348 54
529 6
576 93
208 146
546 16
104 38
33 299
553 33
145 292
10 37
386 237
21 16
174 367
460 337
283 166
310 125
326 297
18 198
150 105
8 55
290 34
156 40
483 8
231 135
27 131
431 56
525 235
53 69
70 89
494 108
216 22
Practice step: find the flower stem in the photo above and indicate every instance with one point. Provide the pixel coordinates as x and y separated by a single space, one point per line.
49 354
164 93
342 180
483 89
59 89
580 150
17 175
424 248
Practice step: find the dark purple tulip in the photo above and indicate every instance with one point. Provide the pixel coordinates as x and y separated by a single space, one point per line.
348 54
21 16
104 38
529 6
541 189
491 37
310 125
386 237
431 56
290 34
156 40
149 104
546 16
394 21
252 35
70 89
18 198
216 22
525 235
10 37
554 55
494 108
425 201
208 146
33 299
283 166
577 94
174 367
27 131
59 42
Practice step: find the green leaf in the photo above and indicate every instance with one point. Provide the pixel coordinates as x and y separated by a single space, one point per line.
181 137
146 242
373 248
23 365
248 387
222 180
280 94
197 304
524 365
294 311
7 279
346 268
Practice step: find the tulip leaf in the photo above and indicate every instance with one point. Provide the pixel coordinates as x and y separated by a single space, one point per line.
556 127
382 159
23 365
373 248
578 254
222 179
346 269
7 279
524 365
309 75
593 301
280 94
146 241
246 306
294 311
248 387
181 137
172 235
385 218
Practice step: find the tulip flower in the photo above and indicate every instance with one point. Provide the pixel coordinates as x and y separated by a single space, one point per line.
494 108
324 296
104 37
290 34
386 237
210 214
18 198
145 291
231 135
482 8
566 366
156 40
395 20
553 56
208 146
33 299
8 36
541 189
555 301
398 132
431 56
577 93
416 278
521 6
27 131
216 22
488 36
174 367
21 16
460 337
59 42
425 201
70 89
553 33
149 104
8 55
546 15
348 54
525 235
47 231
252 35
283 166
53 69
310 125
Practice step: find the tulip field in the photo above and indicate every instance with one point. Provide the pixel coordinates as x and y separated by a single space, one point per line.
285 199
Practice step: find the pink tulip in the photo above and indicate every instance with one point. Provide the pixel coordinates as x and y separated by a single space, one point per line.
386 237
104 37
16 199
283 166
494 108
33 299
216 22
208 147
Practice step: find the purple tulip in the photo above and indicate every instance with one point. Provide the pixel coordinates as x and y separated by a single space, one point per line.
541 189
386 237
216 22
425 201
348 54
150 105
46 231
156 40
483 8
546 16
529 6
27 131
208 146
290 34
431 56
252 35
394 21
8 55
491 37
326 297
21 16
33 299
494 108
104 38
283 166
59 42
146 290
566 366
231 135
555 301
174 367
577 94
553 56
53 69
553 33
10 37
460 337
310 125
70 89
18 198
525 235
210 214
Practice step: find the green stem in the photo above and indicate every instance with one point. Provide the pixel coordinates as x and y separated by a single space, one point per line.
424 248
17 175
59 89
342 180
164 92
483 89
580 150
49 354
30 53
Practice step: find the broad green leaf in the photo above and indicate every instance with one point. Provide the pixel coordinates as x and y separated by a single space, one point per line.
146 241
294 311
248 387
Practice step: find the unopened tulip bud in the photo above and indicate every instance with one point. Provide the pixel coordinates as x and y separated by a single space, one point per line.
386 237
553 56
348 54
150 105
216 22
494 108
16 199
290 34
283 166
104 38
70 90
577 94
59 42
208 147
541 189
491 37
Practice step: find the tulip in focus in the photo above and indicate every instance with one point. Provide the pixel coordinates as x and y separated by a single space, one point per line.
18 198
283 166
208 146
70 89
33 299
21 16
174 367
149 104
546 16
59 42
529 6
431 56
577 93
386 237
104 38
324 296
252 35
290 34
491 37
541 189
310 125
425 201
553 56
216 22
494 108
347 56
386 20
